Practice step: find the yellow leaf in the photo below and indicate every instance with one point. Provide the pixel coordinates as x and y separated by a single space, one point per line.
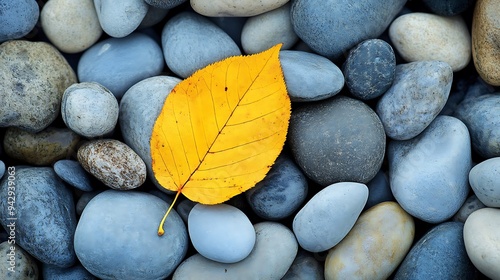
222 128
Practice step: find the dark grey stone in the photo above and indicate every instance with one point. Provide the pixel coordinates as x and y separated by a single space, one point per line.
448 7
305 266
379 190
165 4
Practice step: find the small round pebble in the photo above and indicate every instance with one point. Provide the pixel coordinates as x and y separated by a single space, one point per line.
113 163
480 114
471 204
120 18
281 192
369 69
235 8
305 266
51 272
422 36
71 172
441 252
221 233
484 178
34 77
119 63
15 263
347 136
18 18
417 95
42 148
310 77
442 152
374 247
274 252
89 109
191 42
266 30
71 25
45 215
329 215
116 237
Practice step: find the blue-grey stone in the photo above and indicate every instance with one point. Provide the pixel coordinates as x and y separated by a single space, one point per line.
281 192
379 190
2 169
71 172
480 115
51 272
18 18
333 27
116 237
419 92
45 214
429 174
184 208
310 77
339 139
484 179
369 69
165 4
120 18
305 266
448 7
191 42
440 253
119 63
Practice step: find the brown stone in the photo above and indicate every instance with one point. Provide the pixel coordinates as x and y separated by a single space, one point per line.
485 40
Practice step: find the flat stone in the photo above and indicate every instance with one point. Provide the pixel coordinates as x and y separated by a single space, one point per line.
484 179
423 36
417 95
71 172
374 247
34 77
235 8
117 18
442 152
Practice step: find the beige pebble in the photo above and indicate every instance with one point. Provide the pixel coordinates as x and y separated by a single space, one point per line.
422 36
235 8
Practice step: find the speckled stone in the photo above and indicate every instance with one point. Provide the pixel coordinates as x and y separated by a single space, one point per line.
52 272
417 95
15 263
480 115
480 234
305 266
34 77
484 178
485 38
18 18
42 148
235 8
119 19
347 136
471 204
165 4
369 69
113 163
423 36
448 7
441 252
71 25
71 172
374 247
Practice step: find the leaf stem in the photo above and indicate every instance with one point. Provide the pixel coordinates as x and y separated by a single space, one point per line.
160 228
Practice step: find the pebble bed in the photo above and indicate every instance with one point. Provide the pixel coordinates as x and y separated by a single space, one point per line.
390 170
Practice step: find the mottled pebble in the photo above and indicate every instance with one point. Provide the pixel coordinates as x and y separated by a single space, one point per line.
441 252
442 152
273 254
34 77
118 229
119 63
71 25
119 19
191 42
42 148
235 8
221 233
89 109
15 263
375 246
422 36
281 192
266 30
71 172
45 215
471 204
369 69
484 178
340 205
310 77
305 266
113 163
417 95
347 136
18 18
51 272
